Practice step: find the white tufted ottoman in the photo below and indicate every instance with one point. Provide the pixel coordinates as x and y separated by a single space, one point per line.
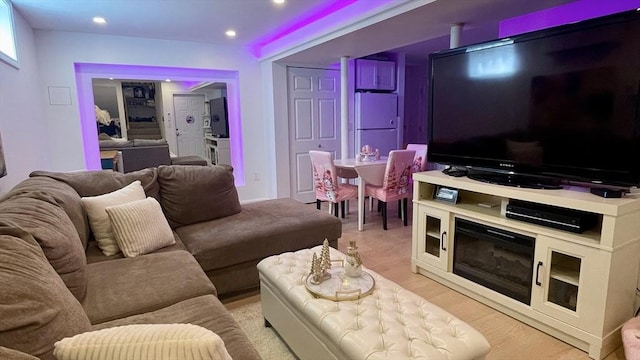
390 323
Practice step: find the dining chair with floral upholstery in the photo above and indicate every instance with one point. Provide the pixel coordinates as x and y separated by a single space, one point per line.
419 164
396 183
326 184
420 158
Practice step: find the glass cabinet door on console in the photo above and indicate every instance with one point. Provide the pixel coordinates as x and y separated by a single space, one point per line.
569 282
433 235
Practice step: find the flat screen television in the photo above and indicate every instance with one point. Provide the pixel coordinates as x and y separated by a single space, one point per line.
219 117
559 105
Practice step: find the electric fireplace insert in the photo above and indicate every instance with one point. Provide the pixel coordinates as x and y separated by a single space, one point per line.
494 258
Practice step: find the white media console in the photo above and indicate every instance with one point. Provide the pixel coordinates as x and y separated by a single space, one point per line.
582 285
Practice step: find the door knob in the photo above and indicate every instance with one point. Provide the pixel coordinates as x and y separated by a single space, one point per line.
319 145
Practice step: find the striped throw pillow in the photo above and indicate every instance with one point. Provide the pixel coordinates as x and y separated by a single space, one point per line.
144 341
140 227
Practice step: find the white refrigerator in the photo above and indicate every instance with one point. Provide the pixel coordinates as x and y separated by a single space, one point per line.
377 121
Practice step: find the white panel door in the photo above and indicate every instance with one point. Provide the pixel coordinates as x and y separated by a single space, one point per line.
314 123
189 111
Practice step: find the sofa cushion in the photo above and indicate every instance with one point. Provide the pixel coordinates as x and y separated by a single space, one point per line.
140 227
94 254
38 214
161 279
206 311
11 354
36 308
93 183
64 195
98 218
192 194
164 341
262 229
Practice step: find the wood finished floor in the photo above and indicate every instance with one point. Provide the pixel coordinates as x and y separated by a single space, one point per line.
389 254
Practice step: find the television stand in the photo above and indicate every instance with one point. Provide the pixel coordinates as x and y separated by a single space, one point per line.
218 150
582 284
515 180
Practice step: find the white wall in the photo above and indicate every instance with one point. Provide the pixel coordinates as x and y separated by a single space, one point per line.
58 51
24 136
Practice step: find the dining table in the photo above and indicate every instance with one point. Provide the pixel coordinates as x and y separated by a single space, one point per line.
369 171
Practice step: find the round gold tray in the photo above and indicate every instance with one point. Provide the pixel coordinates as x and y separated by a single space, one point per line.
341 287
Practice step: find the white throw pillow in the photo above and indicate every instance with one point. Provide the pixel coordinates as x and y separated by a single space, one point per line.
140 227
98 218
142 341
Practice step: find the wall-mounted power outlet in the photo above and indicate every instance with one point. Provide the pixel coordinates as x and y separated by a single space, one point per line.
256 176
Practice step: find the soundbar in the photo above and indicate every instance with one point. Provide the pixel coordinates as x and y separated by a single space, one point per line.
559 218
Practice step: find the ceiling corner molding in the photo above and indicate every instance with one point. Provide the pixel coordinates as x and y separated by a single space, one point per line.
281 49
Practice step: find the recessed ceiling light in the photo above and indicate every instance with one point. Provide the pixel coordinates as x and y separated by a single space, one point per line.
230 33
167 80
278 2
99 20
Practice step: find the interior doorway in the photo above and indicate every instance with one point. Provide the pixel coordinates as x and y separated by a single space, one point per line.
109 108
86 72
314 123
189 113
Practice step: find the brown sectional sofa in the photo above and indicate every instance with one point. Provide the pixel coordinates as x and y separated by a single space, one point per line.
56 283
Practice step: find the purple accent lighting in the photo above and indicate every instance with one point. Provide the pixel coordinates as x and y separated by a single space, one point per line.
564 14
311 16
85 72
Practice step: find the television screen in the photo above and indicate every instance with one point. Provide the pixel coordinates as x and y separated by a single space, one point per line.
219 117
561 103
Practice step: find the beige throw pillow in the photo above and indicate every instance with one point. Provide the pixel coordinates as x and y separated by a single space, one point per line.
133 342
98 218
140 227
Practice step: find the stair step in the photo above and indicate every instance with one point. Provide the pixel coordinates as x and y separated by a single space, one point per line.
142 124
143 136
144 131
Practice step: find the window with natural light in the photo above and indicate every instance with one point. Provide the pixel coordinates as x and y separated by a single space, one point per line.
8 51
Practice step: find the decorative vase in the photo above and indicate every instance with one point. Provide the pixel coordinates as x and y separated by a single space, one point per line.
353 264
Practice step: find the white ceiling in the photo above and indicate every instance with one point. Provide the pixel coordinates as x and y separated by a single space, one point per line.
206 21
188 20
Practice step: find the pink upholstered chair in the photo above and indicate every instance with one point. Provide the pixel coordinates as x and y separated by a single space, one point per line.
420 158
326 183
396 184
419 164
631 338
